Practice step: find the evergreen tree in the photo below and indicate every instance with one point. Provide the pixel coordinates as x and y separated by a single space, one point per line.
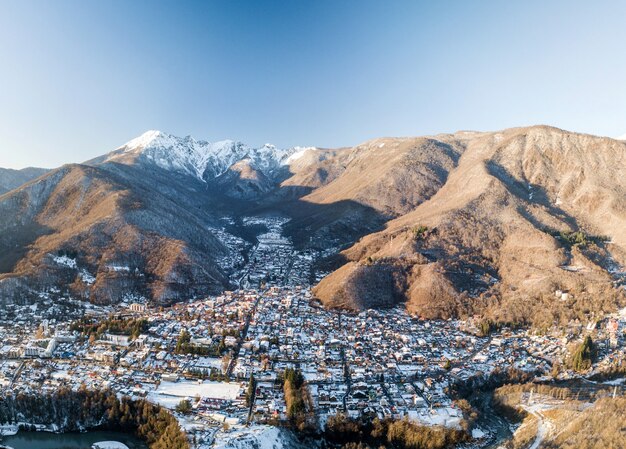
583 355
251 388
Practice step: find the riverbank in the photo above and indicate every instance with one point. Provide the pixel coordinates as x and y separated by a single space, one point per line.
69 412
13 429
48 440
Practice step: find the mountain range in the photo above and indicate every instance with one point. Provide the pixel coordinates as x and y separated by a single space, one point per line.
520 225
12 179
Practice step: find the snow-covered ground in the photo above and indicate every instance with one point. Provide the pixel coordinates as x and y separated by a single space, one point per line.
169 394
65 261
87 277
442 416
477 432
109 445
616 381
208 362
256 437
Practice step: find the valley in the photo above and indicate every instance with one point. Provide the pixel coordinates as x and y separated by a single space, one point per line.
306 224
298 296
226 356
515 226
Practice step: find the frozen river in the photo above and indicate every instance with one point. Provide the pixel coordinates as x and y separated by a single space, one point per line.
46 440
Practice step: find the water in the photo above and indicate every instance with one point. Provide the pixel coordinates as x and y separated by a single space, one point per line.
46 440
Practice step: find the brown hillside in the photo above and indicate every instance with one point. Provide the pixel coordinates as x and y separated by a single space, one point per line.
114 236
391 176
488 239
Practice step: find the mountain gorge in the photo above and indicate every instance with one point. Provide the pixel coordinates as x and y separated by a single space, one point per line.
490 223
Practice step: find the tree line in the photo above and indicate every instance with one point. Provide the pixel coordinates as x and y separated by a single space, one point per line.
583 356
297 400
73 411
393 434
131 327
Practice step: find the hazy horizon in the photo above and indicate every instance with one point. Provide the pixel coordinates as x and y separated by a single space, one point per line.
81 79
105 150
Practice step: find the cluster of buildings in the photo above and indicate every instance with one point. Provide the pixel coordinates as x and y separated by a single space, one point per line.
382 363
273 260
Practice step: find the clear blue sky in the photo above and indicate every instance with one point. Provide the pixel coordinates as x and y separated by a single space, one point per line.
79 78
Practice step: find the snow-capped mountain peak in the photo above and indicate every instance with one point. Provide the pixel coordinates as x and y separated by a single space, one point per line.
146 139
298 152
199 158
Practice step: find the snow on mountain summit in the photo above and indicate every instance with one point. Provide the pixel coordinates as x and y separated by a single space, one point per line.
199 158
144 140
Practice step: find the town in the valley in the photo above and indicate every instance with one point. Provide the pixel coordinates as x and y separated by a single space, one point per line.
218 362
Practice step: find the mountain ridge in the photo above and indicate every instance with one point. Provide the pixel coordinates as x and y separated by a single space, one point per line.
492 233
490 223
199 158
11 179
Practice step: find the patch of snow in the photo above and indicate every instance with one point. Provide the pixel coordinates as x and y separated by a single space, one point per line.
255 437
65 261
134 297
208 362
621 381
477 432
441 416
118 268
574 268
109 445
87 277
169 394
199 158
61 374
299 152
8 429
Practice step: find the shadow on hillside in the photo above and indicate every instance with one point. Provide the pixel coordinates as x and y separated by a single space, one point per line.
319 226
334 226
533 194
311 225
15 243
540 197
